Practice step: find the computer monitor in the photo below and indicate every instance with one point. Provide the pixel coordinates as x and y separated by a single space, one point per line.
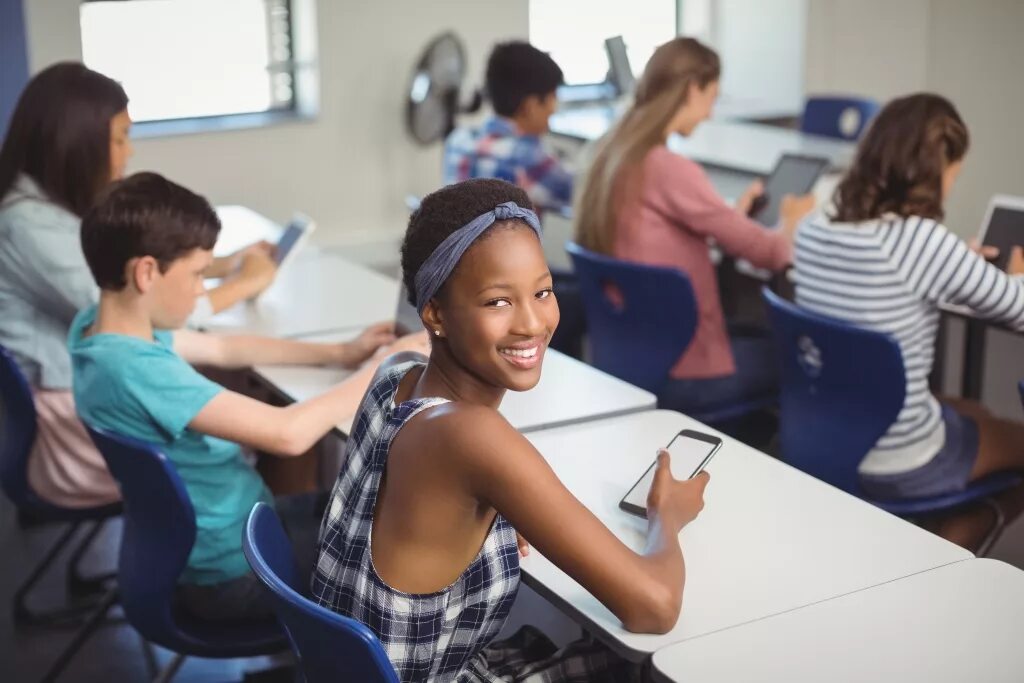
1003 227
620 73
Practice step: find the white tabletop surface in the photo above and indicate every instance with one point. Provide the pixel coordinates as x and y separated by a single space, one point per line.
317 292
770 538
961 622
742 146
569 391
240 227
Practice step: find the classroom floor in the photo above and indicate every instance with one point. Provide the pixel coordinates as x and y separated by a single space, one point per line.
113 654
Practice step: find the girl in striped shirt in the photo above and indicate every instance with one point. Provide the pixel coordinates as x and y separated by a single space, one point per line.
884 260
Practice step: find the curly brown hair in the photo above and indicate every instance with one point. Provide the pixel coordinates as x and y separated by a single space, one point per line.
899 163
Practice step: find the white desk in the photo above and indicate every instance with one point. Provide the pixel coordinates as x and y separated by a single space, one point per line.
770 538
569 391
240 227
319 291
749 148
961 622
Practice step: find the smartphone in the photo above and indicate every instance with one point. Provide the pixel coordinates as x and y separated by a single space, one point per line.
690 452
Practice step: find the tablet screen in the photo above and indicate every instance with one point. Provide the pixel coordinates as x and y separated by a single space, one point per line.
407 319
288 240
1005 230
792 175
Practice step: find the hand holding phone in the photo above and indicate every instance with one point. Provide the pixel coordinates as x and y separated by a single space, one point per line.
685 457
676 503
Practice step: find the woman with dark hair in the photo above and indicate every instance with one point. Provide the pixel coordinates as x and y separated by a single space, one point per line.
643 202
67 141
883 260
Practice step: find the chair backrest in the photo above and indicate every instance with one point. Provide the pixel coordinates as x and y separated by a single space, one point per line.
842 388
844 118
17 431
159 531
640 318
329 646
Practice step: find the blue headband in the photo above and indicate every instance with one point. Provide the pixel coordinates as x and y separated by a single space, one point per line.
440 264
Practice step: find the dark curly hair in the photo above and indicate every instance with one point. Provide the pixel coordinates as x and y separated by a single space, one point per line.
516 70
443 212
899 163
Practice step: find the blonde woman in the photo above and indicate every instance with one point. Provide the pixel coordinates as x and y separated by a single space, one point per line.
642 202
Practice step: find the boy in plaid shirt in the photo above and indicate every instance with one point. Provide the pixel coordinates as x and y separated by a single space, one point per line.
521 84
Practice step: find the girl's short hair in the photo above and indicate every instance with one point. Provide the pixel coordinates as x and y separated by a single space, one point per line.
59 135
443 212
900 160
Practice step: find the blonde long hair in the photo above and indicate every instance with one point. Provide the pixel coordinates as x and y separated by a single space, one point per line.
660 92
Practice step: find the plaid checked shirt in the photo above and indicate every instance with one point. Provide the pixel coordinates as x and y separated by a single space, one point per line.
497 150
437 636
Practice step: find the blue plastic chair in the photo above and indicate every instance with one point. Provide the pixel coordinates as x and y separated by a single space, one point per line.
159 531
639 338
329 647
842 388
17 436
843 118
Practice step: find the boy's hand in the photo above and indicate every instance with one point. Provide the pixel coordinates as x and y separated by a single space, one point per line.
366 344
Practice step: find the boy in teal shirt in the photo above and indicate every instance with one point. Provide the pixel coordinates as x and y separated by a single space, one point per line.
147 244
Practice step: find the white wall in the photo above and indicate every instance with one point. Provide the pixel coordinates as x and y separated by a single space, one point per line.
349 169
761 44
970 52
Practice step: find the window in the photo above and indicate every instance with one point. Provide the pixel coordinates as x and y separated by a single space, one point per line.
206 58
574 31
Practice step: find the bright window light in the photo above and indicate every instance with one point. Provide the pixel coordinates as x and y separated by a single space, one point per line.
574 31
181 59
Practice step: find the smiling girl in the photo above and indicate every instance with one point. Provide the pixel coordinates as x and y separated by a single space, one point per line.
443 483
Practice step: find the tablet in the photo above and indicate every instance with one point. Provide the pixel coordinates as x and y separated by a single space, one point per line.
294 236
1003 227
407 318
793 174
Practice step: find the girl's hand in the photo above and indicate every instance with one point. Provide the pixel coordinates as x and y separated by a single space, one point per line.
524 547
677 503
746 200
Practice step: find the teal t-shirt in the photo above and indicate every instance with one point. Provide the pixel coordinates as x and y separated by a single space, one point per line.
144 390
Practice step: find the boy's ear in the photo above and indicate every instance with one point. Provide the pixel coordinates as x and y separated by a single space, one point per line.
141 272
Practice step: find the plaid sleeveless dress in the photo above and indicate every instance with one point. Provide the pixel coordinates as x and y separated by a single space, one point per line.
441 636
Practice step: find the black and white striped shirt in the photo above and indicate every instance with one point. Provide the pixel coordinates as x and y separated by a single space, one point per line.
890 275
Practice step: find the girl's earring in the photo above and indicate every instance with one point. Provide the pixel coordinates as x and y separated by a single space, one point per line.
437 333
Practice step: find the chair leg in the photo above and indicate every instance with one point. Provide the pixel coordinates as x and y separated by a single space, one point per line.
22 614
78 584
170 670
152 667
84 633
995 532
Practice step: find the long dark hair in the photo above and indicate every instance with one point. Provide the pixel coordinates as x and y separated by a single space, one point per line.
899 163
59 135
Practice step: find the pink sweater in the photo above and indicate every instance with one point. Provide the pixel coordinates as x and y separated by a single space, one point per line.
669 224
